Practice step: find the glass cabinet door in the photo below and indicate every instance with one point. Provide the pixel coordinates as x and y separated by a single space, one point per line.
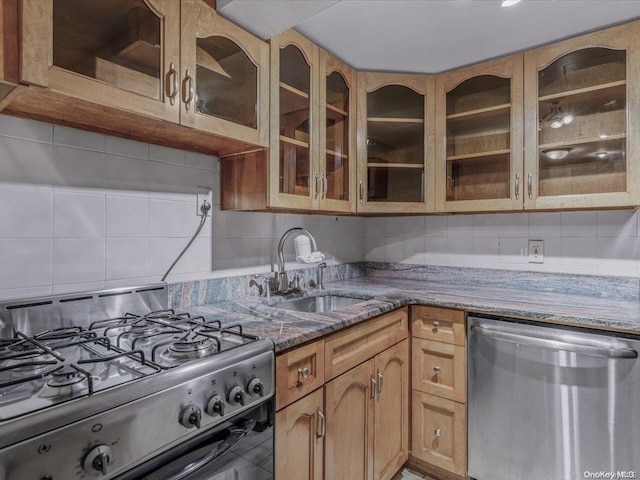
584 98
480 157
120 53
293 133
393 149
226 70
336 176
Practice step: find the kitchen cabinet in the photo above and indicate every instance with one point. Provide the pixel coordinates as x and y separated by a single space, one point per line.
395 143
367 418
159 71
299 434
479 137
363 423
9 60
310 165
581 121
439 427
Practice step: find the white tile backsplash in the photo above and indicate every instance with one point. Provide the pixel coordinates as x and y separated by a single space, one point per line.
127 176
73 137
579 224
25 212
129 148
26 262
127 217
78 215
78 260
25 163
79 170
27 129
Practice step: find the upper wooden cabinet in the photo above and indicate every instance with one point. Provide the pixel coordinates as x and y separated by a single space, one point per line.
479 137
225 71
582 147
162 71
395 143
9 61
124 54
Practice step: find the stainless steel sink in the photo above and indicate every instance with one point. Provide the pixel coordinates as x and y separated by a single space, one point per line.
319 304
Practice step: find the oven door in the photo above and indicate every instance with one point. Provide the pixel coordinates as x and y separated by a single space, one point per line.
239 449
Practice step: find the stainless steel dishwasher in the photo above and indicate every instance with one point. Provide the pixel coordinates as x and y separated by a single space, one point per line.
551 403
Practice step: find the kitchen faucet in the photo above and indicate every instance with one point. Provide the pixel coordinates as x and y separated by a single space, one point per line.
283 282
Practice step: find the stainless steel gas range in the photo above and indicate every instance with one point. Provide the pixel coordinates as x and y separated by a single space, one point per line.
113 385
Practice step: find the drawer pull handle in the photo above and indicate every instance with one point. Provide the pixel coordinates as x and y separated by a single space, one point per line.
436 325
437 432
436 369
374 387
303 374
380 383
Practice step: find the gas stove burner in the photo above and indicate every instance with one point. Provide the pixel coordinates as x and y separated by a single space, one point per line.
143 328
66 382
21 346
189 350
65 377
32 363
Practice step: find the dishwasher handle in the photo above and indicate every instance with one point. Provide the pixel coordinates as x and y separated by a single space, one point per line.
533 341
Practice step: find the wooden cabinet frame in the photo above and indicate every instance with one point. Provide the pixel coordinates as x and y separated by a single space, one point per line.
424 85
508 67
625 37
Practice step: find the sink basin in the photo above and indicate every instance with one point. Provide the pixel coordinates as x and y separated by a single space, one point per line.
319 304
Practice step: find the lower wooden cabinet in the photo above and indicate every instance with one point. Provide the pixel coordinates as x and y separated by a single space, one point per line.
439 432
367 418
300 430
356 426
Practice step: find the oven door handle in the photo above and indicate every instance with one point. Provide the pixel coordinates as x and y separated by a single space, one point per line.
605 350
235 435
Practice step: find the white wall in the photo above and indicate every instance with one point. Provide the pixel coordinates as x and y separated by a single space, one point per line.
590 242
81 210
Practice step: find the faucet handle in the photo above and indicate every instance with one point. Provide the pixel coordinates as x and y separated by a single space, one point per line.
265 289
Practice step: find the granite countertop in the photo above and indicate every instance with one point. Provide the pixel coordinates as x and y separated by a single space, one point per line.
288 329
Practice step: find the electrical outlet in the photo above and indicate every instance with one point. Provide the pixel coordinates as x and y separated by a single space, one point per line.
536 251
203 196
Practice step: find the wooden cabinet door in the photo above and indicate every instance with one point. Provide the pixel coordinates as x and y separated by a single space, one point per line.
391 437
299 439
349 401
479 137
581 121
395 143
439 432
294 122
229 76
336 186
118 54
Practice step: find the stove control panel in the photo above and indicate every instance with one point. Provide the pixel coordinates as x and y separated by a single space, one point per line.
109 444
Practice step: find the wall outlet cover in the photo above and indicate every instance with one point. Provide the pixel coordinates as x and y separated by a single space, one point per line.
536 251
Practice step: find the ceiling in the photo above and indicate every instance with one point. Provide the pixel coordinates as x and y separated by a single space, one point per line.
426 36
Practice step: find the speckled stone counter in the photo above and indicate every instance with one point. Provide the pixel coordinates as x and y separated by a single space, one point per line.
612 305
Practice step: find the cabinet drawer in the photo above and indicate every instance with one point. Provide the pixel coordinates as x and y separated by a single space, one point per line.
347 349
439 432
439 368
439 324
299 372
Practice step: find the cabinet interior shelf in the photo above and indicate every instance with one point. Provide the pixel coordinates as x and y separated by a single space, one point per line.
337 154
394 120
579 141
580 91
479 155
396 165
293 141
294 90
340 111
480 112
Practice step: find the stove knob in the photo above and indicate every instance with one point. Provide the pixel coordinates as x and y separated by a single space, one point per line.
190 416
95 462
236 396
215 406
255 386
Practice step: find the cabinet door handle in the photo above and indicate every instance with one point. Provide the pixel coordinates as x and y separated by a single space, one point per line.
437 432
530 185
517 186
361 192
374 387
325 186
380 383
321 427
188 84
317 177
173 80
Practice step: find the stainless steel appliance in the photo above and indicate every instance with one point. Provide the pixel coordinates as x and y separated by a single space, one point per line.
551 403
113 385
